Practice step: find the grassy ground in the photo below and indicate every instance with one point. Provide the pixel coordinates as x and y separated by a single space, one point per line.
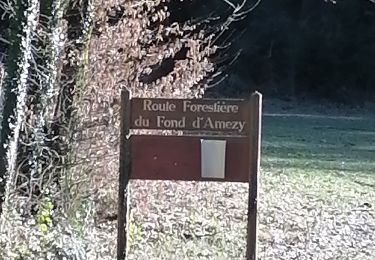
317 199
321 146
318 188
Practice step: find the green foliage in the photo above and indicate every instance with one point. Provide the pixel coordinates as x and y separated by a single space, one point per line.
134 233
44 215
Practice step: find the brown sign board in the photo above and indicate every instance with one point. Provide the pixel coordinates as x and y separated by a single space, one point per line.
224 115
179 158
191 158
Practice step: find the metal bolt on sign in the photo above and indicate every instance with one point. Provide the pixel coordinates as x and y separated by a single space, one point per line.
228 151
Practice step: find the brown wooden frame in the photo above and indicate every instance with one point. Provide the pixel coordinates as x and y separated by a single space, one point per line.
254 139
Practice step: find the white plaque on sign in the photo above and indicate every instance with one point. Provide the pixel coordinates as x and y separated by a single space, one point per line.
213 158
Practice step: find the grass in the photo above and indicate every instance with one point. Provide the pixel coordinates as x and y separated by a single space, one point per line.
319 144
319 149
317 200
318 180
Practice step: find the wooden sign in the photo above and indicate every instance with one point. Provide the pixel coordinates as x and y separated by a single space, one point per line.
220 157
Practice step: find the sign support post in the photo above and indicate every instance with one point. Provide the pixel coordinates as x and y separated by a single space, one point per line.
124 175
254 141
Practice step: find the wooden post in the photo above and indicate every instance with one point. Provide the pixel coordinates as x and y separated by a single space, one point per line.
124 175
254 139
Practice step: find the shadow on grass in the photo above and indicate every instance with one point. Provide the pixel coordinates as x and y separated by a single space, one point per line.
319 144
